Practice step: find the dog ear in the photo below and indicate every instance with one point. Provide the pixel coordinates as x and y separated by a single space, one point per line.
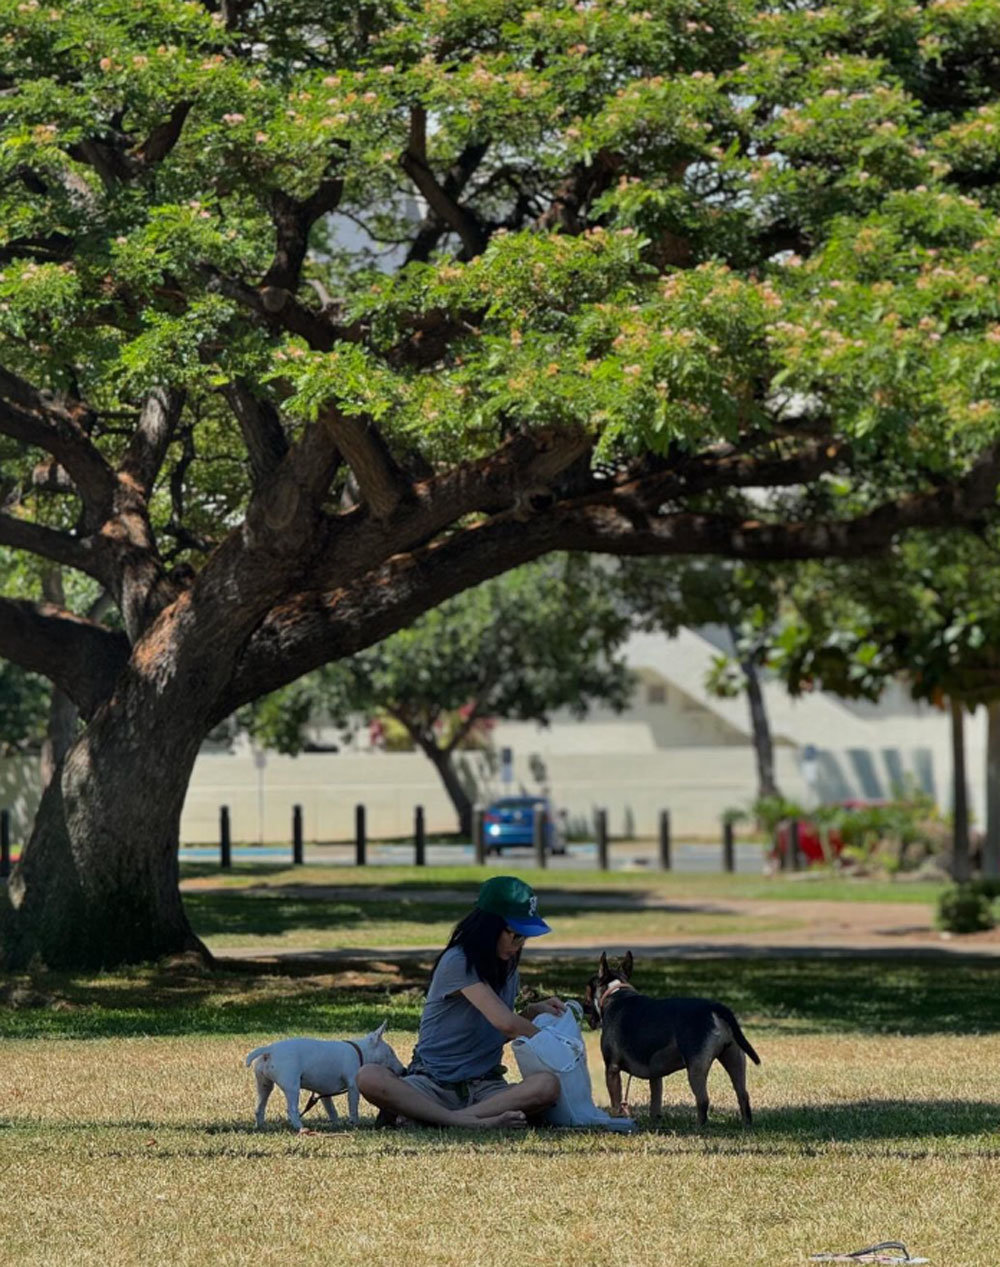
626 968
381 1029
602 968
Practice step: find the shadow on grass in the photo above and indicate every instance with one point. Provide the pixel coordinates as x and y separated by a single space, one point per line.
791 1131
276 910
803 996
867 996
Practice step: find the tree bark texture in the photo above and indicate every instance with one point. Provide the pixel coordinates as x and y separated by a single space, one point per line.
442 761
961 867
760 729
991 845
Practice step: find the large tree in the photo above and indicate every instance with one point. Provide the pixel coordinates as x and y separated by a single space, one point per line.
711 278
542 637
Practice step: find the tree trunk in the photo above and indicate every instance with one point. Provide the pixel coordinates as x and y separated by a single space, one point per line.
442 762
97 884
991 845
960 868
760 729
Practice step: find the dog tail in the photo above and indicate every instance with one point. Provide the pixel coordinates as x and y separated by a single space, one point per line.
257 1051
739 1037
744 1042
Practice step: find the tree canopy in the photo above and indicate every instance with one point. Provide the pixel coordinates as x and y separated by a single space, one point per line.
680 279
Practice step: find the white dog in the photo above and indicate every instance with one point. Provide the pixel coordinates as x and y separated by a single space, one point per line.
324 1068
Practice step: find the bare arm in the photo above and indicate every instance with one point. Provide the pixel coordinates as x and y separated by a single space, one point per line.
499 1015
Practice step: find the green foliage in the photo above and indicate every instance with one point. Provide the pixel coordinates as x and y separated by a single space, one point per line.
24 705
964 909
769 811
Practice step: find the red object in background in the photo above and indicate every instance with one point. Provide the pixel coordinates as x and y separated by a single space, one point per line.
809 843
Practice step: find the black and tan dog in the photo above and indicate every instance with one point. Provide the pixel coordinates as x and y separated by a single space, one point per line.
650 1038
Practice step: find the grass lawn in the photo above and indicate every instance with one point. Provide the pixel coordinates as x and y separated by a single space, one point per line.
281 909
813 885
127 1122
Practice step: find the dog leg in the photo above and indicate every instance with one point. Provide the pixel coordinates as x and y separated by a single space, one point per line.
353 1095
291 1094
735 1064
655 1098
698 1078
613 1078
264 1088
328 1105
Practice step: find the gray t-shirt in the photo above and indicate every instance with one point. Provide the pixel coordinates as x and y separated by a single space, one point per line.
456 1042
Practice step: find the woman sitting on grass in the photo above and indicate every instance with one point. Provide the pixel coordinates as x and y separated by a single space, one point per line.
455 1077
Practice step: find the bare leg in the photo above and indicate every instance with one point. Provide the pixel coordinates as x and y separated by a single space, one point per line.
735 1064
655 1098
532 1095
386 1090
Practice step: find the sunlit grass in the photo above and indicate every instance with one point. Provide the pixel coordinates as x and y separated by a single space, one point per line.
465 879
142 1150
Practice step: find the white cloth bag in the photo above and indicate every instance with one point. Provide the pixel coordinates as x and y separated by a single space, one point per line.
559 1048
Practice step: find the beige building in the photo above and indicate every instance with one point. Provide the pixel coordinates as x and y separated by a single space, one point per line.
675 748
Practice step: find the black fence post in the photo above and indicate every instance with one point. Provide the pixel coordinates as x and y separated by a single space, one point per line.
479 834
419 838
665 839
539 835
296 835
225 850
601 832
728 859
360 836
4 843
794 860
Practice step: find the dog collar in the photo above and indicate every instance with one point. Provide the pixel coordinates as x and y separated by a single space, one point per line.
613 988
361 1058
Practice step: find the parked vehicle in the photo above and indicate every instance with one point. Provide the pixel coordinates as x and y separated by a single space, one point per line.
510 822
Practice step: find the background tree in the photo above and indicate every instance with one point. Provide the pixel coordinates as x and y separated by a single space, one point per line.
686 281
744 602
543 637
928 613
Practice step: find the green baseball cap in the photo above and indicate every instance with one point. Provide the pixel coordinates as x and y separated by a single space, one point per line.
514 901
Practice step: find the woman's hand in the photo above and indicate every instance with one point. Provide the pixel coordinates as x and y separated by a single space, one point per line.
555 1007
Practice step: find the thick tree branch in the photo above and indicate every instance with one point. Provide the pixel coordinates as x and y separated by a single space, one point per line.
57 425
158 420
434 226
263 434
48 543
381 482
444 204
82 658
315 627
164 137
292 222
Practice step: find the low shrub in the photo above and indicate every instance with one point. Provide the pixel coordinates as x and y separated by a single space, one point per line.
964 909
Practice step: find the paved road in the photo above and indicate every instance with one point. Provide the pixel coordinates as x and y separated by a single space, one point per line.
622 857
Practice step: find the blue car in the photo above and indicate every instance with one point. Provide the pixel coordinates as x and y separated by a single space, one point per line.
510 822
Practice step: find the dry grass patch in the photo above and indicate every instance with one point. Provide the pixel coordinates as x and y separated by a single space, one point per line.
142 1151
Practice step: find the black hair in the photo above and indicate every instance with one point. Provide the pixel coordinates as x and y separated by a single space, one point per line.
478 934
